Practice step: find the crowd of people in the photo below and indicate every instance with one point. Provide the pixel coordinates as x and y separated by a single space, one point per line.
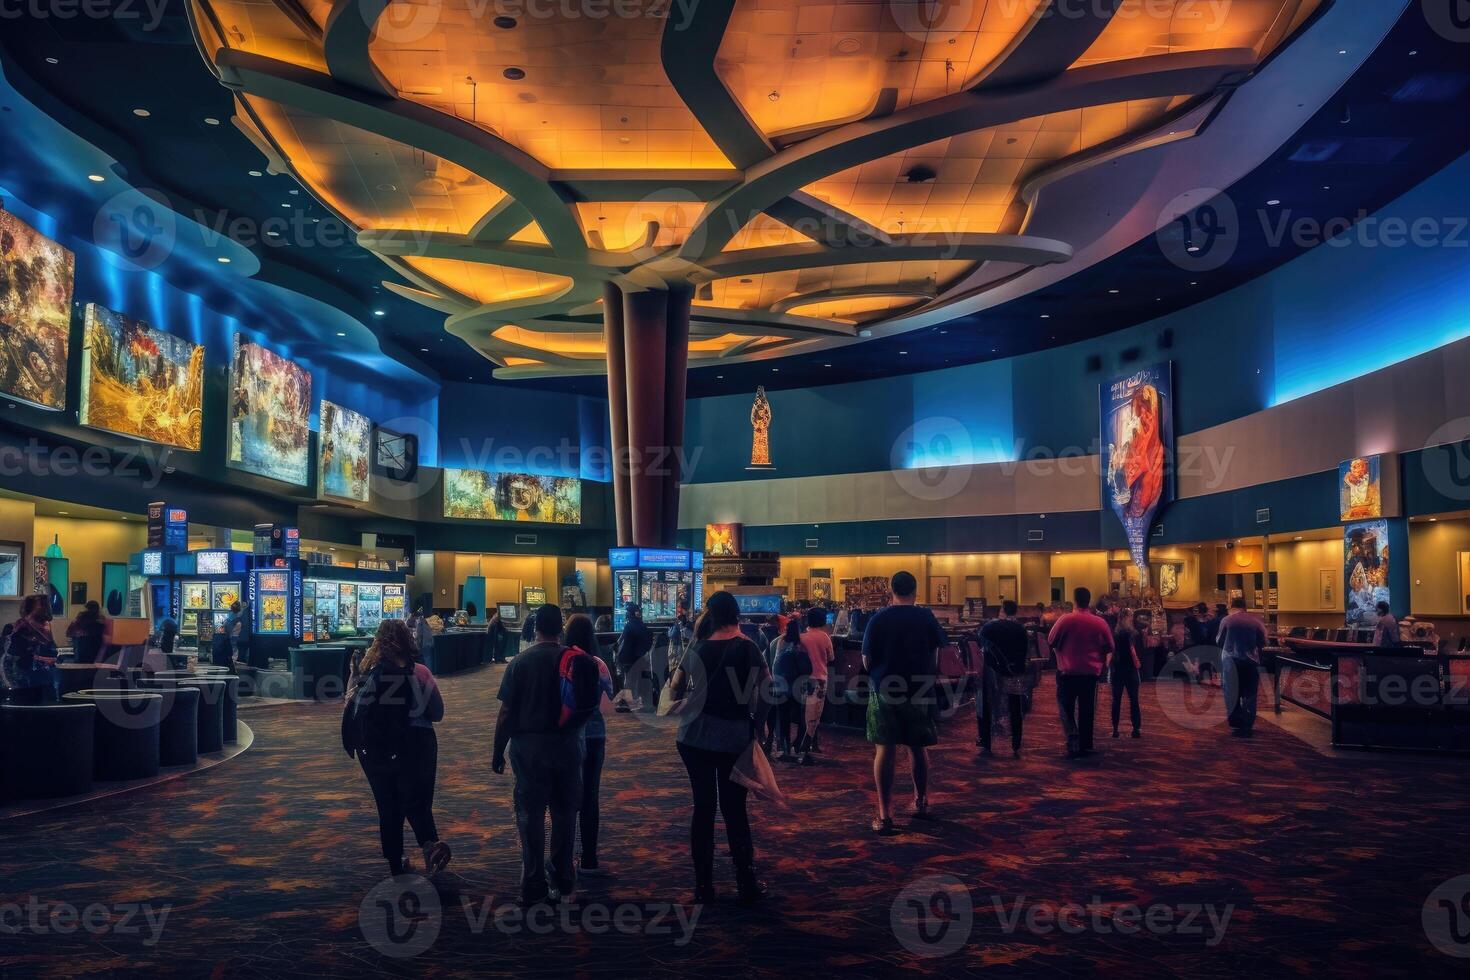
742 697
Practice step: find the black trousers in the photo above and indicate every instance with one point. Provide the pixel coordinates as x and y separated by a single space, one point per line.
405 791
1016 706
1121 682
709 777
591 788
1077 703
793 712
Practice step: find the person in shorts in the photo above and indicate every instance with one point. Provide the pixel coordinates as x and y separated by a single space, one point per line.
901 655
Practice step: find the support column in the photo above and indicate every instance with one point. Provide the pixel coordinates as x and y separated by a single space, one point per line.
647 358
617 405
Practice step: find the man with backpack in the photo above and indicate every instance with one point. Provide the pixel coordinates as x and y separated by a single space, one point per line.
548 693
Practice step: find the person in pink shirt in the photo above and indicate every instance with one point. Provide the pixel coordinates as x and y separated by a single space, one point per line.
817 641
1081 641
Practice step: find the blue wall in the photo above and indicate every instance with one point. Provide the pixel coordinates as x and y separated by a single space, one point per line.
1344 309
526 430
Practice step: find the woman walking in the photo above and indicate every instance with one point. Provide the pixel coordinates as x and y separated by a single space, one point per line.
1124 664
389 728
792 668
722 678
580 634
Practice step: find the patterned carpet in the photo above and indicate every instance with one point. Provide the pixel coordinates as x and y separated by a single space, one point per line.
1322 865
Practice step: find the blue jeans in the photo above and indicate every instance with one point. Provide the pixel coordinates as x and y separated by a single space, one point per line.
1240 679
548 770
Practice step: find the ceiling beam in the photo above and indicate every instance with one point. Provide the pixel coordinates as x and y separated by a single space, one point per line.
1060 33
482 153
691 40
926 291
918 247
1185 73
350 26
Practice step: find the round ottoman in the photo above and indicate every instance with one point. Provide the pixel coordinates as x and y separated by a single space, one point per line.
178 728
212 694
46 750
125 735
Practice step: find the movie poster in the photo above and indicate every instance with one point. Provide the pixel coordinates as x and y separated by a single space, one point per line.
722 540
346 446
1365 571
35 314
139 381
1360 488
1138 452
489 496
270 414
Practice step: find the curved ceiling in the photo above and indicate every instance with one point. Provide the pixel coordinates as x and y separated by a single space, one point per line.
850 190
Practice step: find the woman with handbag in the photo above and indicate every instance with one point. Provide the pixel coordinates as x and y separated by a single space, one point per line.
388 726
720 687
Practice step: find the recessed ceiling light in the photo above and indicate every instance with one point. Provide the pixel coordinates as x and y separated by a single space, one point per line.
53 61
223 260
142 113
63 512
775 369
1411 54
504 23
1343 51
96 178
1192 249
380 313
1046 316
1273 202
719 377
1327 187
514 74
341 333
273 234
423 350
774 96
256 173
211 121
826 365
286 204
903 352
1112 292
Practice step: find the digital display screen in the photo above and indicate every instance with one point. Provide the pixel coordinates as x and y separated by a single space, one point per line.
346 441
622 557
662 558
270 414
534 597
492 496
139 381
36 277
271 582
508 610
152 563
763 604
211 562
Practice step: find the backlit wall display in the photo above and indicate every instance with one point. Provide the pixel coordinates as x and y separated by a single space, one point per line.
722 540
139 381
1137 452
346 447
491 496
1360 488
270 414
212 562
35 314
1365 571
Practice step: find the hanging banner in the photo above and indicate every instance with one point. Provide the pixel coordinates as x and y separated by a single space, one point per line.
1138 452
1365 571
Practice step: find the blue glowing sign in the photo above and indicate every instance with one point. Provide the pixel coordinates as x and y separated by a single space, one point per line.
622 557
763 604
663 558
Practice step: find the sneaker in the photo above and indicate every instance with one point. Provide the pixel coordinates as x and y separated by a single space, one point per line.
883 826
436 857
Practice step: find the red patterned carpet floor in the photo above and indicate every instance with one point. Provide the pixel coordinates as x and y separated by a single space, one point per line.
1185 853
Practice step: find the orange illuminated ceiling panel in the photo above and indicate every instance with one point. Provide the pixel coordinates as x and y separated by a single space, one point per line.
489 283
1149 27
374 182
572 91
762 291
853 310
261 27
798 64
622 225
970 183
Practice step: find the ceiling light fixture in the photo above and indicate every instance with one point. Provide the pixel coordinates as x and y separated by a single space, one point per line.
514 74
53 61
255 173
223 260
142 113
96 178
380 312
505 23
211 121
341 333
1273 202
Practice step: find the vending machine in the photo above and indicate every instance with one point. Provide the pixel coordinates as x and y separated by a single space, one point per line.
276 597
660 580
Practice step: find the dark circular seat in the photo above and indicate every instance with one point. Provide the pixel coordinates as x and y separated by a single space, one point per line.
87 677
318 673
178 729
46 750
125 736
213 692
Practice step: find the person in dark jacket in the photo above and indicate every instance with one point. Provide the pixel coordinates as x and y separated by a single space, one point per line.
1006 644
389 728
28 667
88 633
581 635
1125 665
633 661
791 669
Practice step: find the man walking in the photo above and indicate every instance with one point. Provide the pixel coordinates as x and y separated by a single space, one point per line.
1081 642
547 760
1241 638
901 654
1005 643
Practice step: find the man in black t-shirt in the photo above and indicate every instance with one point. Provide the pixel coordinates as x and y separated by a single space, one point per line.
1006 646
547 760
901 654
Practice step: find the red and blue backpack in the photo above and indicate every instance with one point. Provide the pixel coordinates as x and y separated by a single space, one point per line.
581 687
